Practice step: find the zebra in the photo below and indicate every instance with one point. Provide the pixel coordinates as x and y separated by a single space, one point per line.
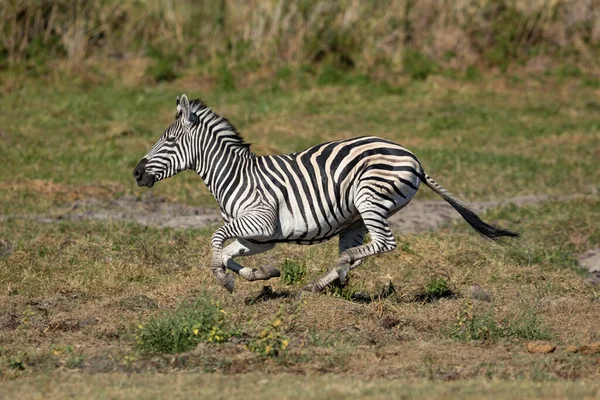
344 188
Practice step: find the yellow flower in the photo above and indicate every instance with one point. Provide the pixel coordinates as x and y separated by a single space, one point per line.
284 344
268 349
195 331
140 326
277 322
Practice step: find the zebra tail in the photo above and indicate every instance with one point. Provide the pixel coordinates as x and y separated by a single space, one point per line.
468 214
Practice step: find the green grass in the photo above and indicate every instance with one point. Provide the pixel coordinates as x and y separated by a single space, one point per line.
292 272
179 330
437 288
86 140
483 326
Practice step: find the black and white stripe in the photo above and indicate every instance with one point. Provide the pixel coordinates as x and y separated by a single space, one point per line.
345 187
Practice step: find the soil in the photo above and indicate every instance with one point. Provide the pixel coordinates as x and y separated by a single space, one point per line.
418 216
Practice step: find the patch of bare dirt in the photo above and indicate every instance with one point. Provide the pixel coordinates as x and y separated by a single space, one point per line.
418 216
149 211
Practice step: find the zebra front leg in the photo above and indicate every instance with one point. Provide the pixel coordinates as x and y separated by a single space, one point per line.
242 247
260 223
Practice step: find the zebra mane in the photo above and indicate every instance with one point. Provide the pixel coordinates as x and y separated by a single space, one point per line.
198 108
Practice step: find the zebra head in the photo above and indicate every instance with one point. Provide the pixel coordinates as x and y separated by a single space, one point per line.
171 154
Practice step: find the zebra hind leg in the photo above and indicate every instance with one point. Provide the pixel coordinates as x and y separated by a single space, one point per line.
382 240
353 236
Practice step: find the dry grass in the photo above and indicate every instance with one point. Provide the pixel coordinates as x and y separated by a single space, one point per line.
284 386
86 286
378 37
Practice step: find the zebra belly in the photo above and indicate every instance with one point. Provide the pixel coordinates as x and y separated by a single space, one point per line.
306 229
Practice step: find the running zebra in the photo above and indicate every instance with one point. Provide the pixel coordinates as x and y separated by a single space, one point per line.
345 187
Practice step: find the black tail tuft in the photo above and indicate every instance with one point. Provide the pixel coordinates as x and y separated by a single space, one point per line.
480 226
472 218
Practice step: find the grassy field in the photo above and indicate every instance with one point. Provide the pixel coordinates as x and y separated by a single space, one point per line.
120 310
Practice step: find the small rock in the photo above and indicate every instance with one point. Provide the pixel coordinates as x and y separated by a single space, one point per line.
592 348
541 347
572 349
590 260
479 293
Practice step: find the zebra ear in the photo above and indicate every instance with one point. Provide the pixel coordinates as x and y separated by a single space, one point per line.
183 106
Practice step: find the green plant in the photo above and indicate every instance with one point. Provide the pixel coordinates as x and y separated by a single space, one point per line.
472 326
271 342
330 74
16 363
225 78
472 74
292 272
418 65
469 326
182 329
163 67
437 288
525 325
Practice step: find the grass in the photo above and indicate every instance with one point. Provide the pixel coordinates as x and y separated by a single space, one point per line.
84 142
285 386
437 288
292 272
180 330
483 326
73 292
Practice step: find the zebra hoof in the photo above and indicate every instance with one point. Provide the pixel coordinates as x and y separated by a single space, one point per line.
228 283
342 275
269 272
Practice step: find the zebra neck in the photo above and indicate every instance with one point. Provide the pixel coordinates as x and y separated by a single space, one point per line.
226 172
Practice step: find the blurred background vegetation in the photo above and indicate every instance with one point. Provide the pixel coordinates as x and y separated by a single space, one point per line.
235 43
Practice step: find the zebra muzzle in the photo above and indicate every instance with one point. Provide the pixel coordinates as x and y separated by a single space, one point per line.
142 178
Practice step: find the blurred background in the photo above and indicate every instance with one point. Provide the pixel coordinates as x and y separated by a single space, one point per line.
234 43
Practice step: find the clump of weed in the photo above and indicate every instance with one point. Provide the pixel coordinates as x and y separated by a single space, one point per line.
437 288
471 326
418 65
225 79
292 272
271 342
330 75
163 67
68 356
341 290
526 326
182 329
17 363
